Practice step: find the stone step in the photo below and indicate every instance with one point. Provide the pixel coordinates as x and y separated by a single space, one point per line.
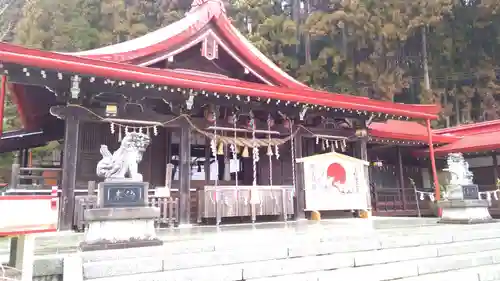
326 230
478 273
293 248
267 262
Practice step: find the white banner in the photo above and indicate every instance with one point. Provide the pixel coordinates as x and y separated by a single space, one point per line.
28 214
335 182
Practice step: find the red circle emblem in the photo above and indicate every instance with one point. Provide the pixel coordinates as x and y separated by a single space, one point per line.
337 173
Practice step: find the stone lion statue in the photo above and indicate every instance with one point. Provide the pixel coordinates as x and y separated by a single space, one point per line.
458 169
124 162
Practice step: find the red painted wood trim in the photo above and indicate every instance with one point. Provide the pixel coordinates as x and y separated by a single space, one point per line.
24 232
3 92
27 197
437 191
50 60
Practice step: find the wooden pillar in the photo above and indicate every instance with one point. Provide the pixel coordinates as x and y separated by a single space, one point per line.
495 169
25 159
300 195
185 174
70 157
206 164
362 153
401 178
433 163
3 93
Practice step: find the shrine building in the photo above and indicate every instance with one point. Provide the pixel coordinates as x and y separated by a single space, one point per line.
227 118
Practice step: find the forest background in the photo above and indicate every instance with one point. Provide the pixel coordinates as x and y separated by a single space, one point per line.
411 51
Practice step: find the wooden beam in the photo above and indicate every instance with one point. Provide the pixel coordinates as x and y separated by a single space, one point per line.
3 93
91 114
185 174
300 198
401 178
495 168
362 153
69 172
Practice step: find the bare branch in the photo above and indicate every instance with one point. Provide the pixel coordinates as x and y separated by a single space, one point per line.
6 31
4 7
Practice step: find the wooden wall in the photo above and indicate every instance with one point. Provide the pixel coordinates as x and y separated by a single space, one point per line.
93 135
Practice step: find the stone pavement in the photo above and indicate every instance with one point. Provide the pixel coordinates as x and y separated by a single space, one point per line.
67 242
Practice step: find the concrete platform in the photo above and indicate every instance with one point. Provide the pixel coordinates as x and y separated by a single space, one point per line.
395 248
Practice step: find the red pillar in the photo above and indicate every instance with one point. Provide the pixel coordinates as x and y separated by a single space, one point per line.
433 161
3 92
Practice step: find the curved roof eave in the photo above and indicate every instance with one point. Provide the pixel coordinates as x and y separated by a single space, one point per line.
190 26
50 60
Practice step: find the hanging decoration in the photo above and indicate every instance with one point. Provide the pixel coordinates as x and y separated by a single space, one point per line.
211 117
244 142
234 150
255 149
292 146
270 123
117 123
490 195
422 195
245 152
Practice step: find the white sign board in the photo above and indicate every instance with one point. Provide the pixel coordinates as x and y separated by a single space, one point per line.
28 214
334 181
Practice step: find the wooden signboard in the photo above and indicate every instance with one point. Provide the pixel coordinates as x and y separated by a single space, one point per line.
22 217
334 181
24 214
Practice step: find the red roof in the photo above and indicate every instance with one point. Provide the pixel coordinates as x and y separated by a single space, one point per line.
406 130
129 60
472 143
477 137
50 60
206 18
471 129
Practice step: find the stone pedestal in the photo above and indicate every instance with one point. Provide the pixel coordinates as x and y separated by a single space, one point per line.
464 206
465 211
121 219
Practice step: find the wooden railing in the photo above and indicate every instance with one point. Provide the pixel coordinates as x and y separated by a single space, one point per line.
34 178
390 202
169 210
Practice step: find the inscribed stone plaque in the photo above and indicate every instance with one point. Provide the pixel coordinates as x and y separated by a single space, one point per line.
123 194
470 192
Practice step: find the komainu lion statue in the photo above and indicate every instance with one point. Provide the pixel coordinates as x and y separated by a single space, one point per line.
124 162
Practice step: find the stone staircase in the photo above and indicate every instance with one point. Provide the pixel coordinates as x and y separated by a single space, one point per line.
354 251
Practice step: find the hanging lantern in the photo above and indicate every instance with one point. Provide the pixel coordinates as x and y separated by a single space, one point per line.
245 152
277 152
112 128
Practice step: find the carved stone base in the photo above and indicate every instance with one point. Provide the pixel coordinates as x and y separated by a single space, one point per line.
465 211
119 228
